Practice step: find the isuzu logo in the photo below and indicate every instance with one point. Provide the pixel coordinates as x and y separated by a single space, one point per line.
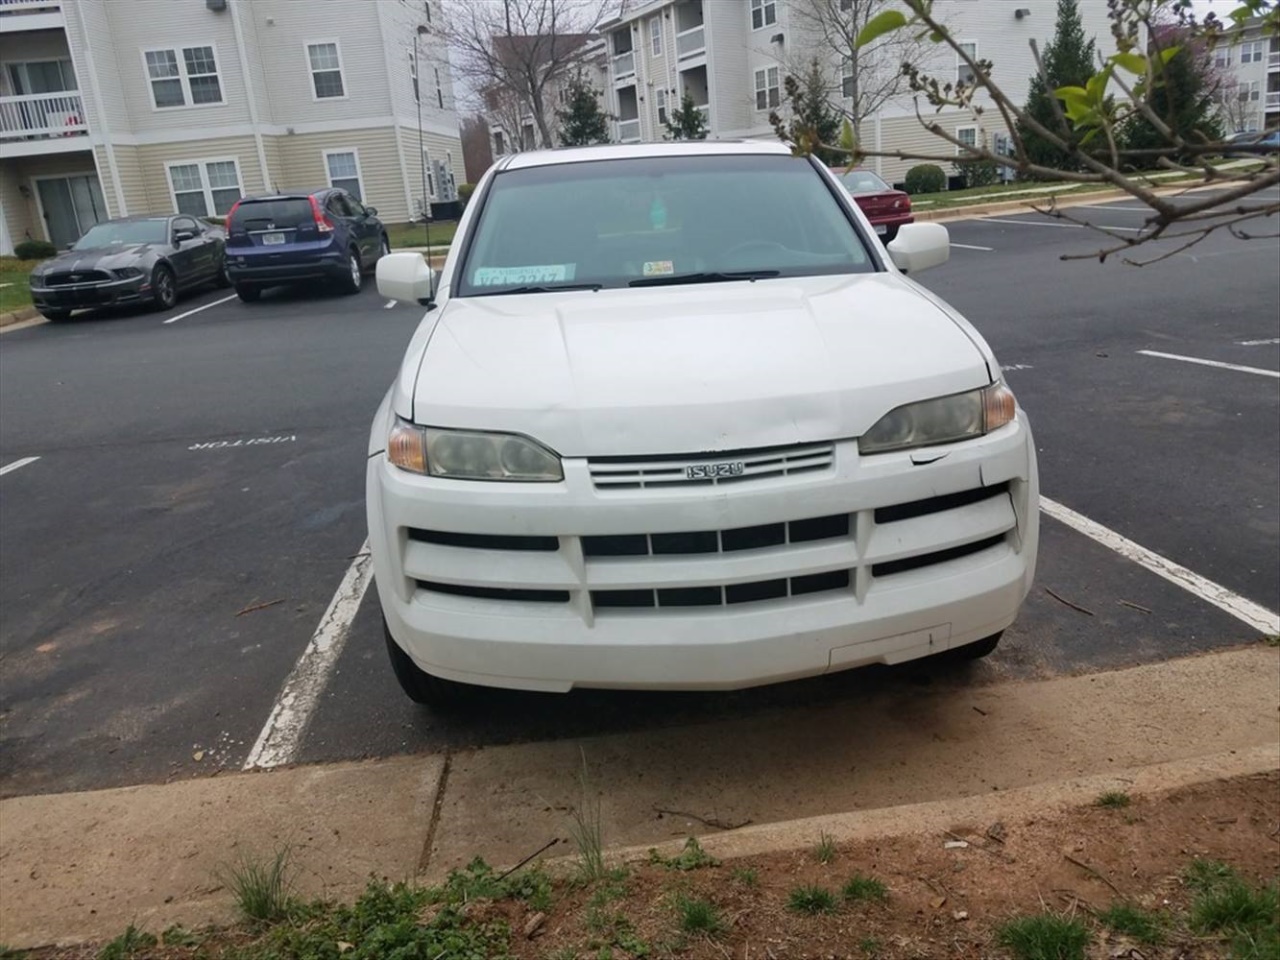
708 471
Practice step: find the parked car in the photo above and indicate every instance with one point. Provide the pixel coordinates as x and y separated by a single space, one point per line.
130 260
1253 142
296 237
673 419
885 207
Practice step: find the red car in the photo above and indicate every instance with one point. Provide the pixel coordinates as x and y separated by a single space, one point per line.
885 207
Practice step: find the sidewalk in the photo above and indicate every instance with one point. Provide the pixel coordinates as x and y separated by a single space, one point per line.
82 866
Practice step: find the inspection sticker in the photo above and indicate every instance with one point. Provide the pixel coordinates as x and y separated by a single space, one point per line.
504 276
658 268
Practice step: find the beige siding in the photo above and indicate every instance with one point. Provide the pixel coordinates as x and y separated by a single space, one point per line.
22 213
132 182
438 148
17 210
303 161
153 191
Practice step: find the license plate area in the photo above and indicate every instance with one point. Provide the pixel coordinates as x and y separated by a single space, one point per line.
272 239
881 229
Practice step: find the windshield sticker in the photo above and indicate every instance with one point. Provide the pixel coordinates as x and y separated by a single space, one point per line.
504 276
658 268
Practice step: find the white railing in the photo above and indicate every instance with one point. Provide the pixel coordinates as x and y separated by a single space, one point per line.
690 43
624 65
1273 100
41 116
628 130
30 6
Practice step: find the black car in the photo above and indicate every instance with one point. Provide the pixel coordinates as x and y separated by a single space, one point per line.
295 237
147 260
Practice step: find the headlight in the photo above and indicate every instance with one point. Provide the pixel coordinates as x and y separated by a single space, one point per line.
127 273
943 420
468 455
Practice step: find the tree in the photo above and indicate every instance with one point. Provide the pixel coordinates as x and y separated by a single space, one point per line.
582 121
477 151
1185 101
521 49
813 123
687 122
1068 60
1121 86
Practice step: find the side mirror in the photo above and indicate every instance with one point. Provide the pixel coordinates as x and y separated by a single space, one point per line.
406 276
919 246
371 211
182 236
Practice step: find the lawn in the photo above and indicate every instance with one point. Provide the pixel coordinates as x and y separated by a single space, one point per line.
15 293
404 235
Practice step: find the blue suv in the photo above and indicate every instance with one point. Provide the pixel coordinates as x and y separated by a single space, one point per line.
296 237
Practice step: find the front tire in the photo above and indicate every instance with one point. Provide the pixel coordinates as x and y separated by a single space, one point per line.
354 279
420 686
248 294
164 288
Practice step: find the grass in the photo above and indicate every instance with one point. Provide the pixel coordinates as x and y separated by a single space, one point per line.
690 858
263 890
870 946
867 889
1124 918
132 943
698 916
1114 800
1225 906
404 235
811 899
1044 936
586 830
746 877
14 273
825 849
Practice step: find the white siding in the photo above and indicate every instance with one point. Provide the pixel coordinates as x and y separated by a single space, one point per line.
97 25
397 26
729 80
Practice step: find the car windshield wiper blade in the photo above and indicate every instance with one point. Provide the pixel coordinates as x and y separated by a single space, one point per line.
542 288
709 277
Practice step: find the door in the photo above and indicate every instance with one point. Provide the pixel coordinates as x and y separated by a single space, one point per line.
71 205
193 259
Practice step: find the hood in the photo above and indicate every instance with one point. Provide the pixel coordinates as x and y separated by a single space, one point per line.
685 369
99 258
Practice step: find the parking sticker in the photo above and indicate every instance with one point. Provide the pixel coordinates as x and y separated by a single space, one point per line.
541 273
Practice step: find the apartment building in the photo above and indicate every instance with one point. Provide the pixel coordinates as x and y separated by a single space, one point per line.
1252 61
733 55
118 107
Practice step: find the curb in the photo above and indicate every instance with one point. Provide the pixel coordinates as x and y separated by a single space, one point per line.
974 211
18 316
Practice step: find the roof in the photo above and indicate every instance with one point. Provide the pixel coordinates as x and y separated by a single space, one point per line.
628 151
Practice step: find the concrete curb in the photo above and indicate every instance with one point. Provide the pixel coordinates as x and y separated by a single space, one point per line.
972 211
18 316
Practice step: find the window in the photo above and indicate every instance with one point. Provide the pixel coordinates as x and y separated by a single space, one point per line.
964 73
326 70
763 13
183 76
42 76
767 94
968 136
1251 91
205 188
846 77
499 143
413 76
439 90
186 224
426 8
1222 57
655 35
344 171
1252 52
660 98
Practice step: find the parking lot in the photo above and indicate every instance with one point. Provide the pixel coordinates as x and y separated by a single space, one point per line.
182 499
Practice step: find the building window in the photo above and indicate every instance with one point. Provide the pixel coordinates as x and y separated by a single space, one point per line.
655 35
764 13
1252 52
499 143
183 76
660 98
344 171
846 78
767 94
439 90
413 76
426 8
1222 57
1251 91
205 188
326 70
964 73
431 174
967 136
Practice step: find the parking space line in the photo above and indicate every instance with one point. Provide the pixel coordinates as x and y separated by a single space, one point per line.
17 465
1254 614
1258 343
281 736
970 246
206 306
1032 223
1211 363
388 305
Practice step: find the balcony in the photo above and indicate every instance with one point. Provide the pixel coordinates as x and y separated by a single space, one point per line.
624 65
18 15
1273 61
42 116
691 43
629 131
1273 100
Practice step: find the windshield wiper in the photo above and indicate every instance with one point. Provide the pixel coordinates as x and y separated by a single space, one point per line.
709 277
548 288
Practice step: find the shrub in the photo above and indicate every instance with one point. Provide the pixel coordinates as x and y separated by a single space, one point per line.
34 250
981 174
926 178
465 190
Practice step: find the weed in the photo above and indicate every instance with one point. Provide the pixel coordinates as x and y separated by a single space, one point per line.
864 888
1114 800
811 899
870 946
179 936
1044 936
746 876
263 890
586 829
1202 875
1234 907
698 915
1272 640
128 944
825 850
690 858
1142 925
532 885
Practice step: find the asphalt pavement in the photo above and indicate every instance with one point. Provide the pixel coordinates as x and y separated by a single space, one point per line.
198 497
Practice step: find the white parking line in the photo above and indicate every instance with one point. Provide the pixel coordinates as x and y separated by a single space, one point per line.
281 736
1211 363
1032 223
1258 343
388 305
1255 615
17 465
970 246
189 313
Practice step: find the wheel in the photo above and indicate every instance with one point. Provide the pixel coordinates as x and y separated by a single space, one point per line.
223 279
420 686
383 249
164 288
978 649
55 316
248 294
352 282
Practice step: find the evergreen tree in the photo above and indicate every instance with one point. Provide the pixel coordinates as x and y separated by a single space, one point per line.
687 123
582 121
1069 61
1183 97
813 123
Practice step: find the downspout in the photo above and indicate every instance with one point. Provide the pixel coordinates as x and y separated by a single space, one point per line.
253 104
122 208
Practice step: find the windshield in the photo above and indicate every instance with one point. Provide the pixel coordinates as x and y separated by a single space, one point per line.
863 181
124 232
656 220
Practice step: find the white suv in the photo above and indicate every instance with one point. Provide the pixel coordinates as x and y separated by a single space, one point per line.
675 419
